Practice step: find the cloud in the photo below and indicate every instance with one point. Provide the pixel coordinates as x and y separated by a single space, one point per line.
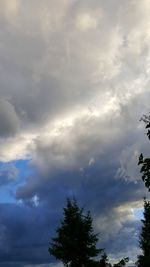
19 234
10 9
74 82
9 120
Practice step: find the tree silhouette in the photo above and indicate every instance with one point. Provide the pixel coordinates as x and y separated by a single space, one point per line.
104 262
144 259
122 262
75 241
145 162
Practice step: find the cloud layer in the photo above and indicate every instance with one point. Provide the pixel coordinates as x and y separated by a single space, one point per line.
74 82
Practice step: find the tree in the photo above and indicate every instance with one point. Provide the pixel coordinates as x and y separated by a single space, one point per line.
122 262
144 259
75 241
104 261
145 162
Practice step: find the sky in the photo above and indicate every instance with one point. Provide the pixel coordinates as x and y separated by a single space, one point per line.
74 83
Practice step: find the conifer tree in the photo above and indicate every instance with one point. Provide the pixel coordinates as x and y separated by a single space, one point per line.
145 162
104 261
144 259
122 262
75 241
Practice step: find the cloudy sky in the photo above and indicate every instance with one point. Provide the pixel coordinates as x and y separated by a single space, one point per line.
74 82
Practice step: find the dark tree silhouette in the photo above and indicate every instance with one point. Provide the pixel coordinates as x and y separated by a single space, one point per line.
104 261
75 241
145 162
144 259
122 263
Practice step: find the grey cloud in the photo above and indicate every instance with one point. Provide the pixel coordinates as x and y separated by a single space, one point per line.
60 64
9 121
99 192
58 74
95 184
74 81
25 234
90 135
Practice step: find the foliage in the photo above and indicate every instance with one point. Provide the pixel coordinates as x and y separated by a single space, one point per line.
104 262
75 241
145 162
144 259
122 262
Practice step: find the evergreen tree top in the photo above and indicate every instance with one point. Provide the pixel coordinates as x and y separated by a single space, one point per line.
75 241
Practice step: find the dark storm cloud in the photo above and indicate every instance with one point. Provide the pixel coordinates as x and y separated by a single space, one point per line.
111 202
104 181
26 230
96 184
25 234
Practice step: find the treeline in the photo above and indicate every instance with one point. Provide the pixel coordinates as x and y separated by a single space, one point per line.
75 243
